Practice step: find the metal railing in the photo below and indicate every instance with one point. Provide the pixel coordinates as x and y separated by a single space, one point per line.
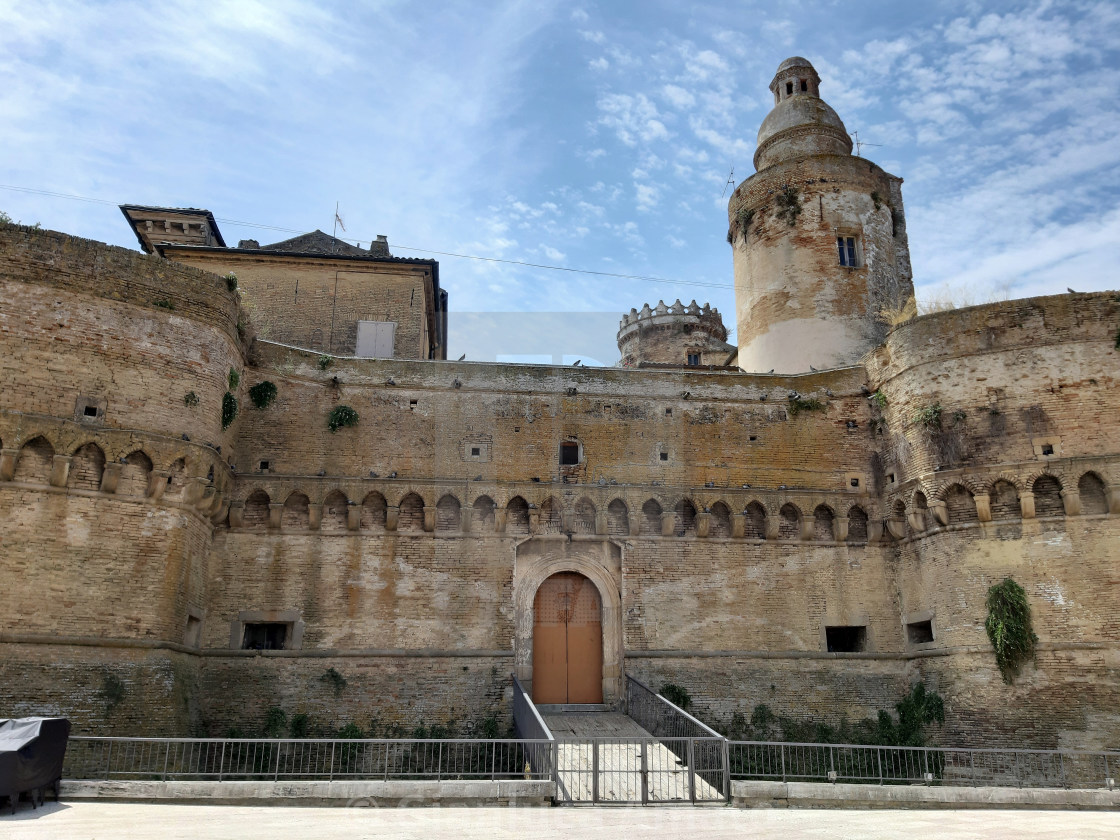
852 763
677 729
531 728
250 759
640 770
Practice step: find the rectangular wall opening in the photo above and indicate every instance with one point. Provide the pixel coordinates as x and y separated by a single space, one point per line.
265 635
919 632
846 639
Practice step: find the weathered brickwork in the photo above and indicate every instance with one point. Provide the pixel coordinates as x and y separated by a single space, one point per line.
725 519
317 302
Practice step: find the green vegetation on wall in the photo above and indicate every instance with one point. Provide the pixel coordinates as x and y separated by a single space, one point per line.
676 695
262 394
341 415
229 409
1009 627
788 200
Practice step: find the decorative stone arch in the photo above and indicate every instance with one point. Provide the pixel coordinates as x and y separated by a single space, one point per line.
448 513
618 518
336 511
755 520
1093 492
1010 477
87 467
373 514
484 512
650 522
719 526
412 513
296 515
600 562
790 519
585 515
824 523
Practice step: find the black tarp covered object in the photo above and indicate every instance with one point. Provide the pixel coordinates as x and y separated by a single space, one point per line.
31 753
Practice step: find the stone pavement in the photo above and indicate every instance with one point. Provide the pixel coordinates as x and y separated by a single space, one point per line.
103 821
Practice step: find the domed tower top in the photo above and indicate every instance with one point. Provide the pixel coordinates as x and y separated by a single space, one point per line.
801 123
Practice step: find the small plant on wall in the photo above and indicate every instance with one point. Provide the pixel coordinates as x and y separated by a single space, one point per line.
788 201
1009 627
190 399
340 416
677 695
231 282
325 362
229 409
262 394
234 379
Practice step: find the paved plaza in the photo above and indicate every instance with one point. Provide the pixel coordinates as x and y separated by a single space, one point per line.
103 821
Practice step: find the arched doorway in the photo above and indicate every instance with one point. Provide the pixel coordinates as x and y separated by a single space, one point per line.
567 641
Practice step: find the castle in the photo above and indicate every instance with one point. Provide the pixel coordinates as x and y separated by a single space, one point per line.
238 478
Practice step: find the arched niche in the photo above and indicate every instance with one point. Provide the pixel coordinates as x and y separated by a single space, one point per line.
600 562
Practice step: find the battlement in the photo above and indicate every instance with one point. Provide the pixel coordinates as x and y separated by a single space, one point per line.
678 334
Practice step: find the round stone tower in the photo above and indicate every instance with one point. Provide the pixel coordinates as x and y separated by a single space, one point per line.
673 335
819 238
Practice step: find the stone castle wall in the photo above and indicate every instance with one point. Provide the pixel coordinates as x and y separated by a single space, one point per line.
724 561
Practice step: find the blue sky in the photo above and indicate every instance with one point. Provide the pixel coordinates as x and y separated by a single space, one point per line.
595 136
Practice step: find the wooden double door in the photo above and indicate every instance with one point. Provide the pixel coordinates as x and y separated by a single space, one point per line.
567 641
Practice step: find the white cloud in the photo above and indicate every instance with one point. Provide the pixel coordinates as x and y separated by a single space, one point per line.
600 64
579 15
595 37
678 97
646 196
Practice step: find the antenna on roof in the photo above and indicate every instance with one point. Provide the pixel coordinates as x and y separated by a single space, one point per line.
861 143
730 181
338 223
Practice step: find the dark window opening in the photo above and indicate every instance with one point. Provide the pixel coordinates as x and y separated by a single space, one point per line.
846 245
475 452
694 358
265 636
855 482
789 88
264 465
804 85
1047 449
411 404
668 412
753 437
569 454
664 456
91 411
920 632
845 639
890 478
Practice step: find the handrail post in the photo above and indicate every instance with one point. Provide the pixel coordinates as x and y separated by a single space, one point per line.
109 761
439 763
276 768
595 770
879 761
782 752
166 757
221 761
726 770
1061 770
645 774
330 775
691 771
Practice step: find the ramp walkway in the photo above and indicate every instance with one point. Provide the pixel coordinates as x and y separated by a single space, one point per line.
607 757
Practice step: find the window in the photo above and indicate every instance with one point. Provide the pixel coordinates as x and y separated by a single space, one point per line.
789 88
1047 449
890 478
264 465
664 456
845 639
569 454
855 482
476 451
804 85
846 245
694 358
91 411
265 636
919 632
412 404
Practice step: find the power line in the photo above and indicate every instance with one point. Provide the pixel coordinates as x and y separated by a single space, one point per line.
523 263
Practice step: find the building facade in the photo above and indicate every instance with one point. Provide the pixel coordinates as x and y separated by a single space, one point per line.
817 541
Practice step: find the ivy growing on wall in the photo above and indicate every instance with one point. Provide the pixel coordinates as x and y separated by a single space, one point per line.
190 399
1009 627
229 409
262 394
234 379
342 415
336 680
